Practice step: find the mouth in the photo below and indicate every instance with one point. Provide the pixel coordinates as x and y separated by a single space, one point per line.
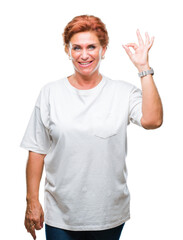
85 64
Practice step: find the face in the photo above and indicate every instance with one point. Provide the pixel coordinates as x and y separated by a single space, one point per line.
86 52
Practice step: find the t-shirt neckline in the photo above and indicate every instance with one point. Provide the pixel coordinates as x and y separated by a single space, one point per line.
85 91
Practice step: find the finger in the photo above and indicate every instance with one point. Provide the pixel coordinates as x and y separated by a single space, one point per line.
32 230
127 51
33 233
42 219
37 225
27 224
141 42
151 43
133 45
147 39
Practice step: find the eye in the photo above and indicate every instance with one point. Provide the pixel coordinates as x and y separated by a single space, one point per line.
76 48
91 47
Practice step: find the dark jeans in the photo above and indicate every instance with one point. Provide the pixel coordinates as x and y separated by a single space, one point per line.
53 233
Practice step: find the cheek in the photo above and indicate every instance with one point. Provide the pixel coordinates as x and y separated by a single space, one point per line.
75 55
99 54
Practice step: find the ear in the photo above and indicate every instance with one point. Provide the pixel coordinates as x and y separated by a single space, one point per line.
67 49
104 50
68 52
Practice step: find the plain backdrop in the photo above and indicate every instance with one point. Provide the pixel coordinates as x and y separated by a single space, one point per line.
32 54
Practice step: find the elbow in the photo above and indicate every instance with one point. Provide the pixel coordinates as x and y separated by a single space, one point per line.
151 123
158 123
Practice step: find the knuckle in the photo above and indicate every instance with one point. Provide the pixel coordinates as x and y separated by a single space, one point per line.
26 217
36 220
38 227
30 219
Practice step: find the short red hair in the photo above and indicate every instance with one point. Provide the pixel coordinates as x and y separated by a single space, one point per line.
84 23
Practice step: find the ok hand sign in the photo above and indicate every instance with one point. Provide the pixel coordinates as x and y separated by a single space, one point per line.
140 57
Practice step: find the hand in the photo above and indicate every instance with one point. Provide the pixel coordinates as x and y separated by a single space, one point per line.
140 57
34 217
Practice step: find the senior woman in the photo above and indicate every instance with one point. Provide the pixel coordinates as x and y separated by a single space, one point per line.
77 130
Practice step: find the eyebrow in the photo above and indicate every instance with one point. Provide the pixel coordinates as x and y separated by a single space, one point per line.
74 44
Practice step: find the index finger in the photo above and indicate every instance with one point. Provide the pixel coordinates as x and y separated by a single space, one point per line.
141 42
33 232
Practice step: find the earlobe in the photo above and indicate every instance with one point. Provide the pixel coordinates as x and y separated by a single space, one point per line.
66 49
103 52
68 52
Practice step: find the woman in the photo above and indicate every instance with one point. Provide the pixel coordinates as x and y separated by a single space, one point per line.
78 132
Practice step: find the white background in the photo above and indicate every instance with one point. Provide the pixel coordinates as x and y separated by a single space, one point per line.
32 54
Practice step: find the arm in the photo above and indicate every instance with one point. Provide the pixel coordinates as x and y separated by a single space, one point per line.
152 110
34 216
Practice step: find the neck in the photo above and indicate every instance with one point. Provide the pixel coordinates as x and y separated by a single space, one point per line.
86 82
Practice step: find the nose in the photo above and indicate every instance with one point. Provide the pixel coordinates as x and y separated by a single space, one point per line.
84 54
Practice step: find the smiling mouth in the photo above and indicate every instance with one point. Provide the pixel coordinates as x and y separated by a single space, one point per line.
85 63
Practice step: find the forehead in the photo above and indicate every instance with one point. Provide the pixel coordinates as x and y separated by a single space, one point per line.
83 38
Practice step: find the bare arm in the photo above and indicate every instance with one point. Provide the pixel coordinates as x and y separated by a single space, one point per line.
152 110
34 216
34 171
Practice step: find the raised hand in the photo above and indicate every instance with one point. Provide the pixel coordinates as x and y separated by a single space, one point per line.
140 56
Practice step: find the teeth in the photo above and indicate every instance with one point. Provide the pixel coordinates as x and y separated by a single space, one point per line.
85 63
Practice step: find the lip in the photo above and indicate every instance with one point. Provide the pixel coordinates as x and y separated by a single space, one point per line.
85 65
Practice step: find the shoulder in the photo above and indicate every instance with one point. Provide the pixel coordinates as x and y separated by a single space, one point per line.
49 89
52 88
53 85
120 84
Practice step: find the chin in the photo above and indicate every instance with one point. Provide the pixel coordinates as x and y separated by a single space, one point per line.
84 73
87 72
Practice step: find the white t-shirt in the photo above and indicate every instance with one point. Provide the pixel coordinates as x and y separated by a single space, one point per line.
84 134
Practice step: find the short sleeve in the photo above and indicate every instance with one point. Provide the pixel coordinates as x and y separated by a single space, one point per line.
36 137
135 106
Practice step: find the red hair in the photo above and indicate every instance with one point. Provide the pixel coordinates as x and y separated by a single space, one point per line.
85 23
